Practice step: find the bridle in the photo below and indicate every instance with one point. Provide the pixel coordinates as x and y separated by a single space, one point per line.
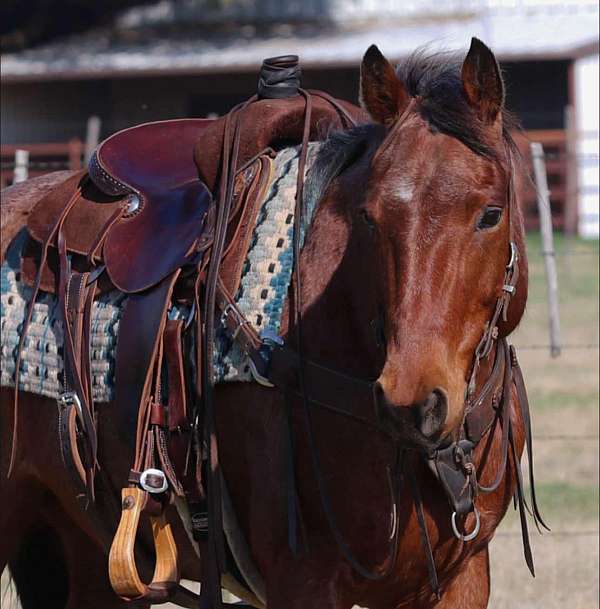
451 461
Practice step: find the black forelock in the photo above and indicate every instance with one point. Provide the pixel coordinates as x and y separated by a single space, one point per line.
435 80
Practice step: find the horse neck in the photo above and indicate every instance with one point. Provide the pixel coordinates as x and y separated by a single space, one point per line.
337 315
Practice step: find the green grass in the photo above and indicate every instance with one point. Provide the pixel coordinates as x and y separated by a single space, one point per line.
578 283
555 496
564 400
557 400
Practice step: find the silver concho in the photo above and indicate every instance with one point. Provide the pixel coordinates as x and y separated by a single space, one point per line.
133 204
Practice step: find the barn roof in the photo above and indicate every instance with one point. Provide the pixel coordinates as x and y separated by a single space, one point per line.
138 46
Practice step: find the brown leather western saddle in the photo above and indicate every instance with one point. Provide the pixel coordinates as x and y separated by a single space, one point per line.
164 214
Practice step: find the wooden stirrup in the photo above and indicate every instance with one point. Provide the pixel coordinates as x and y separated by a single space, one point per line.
122 568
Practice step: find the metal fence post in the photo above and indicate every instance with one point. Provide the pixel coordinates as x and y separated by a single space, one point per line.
21 166
543 201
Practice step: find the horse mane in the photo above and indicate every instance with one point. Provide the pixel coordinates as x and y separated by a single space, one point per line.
435 78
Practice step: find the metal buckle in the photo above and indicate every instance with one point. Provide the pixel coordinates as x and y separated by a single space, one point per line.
240 319
66 398
514 254
153 481
469 536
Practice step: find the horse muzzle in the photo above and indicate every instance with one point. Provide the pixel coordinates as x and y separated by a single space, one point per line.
417 425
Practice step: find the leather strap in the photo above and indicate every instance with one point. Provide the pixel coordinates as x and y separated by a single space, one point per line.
26 323
211 588
481 410
425 541
140 329
178 423
526 417
74 297
504 418
520 500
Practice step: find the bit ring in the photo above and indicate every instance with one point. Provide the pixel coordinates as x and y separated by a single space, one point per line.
469 536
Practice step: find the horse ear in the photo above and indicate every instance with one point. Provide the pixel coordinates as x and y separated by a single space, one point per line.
482 81
382 94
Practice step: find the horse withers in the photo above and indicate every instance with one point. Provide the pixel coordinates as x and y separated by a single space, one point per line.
378 467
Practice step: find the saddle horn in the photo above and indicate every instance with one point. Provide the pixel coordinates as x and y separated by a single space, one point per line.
279 77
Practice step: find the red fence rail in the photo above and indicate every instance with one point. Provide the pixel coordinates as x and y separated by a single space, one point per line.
43 158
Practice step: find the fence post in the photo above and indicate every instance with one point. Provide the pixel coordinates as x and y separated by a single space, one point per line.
571 198
543 201
92 137
21 165
75 153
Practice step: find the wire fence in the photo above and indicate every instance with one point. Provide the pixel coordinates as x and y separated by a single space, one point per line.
559 448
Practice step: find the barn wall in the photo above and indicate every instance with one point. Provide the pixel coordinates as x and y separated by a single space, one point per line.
49 111
588 127
56 111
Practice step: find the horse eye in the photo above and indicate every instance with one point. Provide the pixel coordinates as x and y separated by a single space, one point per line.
491 217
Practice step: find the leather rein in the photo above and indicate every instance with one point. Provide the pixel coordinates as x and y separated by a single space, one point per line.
275 364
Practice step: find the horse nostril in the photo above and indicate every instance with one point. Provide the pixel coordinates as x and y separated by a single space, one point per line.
430 415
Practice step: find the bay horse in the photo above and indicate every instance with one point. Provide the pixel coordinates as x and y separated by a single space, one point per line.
404 278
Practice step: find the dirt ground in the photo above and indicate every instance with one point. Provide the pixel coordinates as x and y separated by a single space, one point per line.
564 401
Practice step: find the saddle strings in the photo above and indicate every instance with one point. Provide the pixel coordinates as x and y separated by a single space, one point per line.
27 321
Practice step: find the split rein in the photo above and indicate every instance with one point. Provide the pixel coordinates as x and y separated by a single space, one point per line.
338 393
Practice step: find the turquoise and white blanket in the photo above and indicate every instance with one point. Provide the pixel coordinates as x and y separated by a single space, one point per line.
261 297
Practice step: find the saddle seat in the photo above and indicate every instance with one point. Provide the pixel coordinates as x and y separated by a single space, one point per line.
144 192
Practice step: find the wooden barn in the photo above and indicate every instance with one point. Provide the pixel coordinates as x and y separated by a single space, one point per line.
174 59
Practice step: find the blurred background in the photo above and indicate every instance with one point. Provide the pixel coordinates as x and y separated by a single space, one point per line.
75 71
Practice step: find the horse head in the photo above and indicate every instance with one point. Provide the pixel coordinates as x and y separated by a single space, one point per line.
426 193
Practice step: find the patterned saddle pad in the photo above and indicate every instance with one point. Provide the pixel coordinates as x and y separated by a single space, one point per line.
261 297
